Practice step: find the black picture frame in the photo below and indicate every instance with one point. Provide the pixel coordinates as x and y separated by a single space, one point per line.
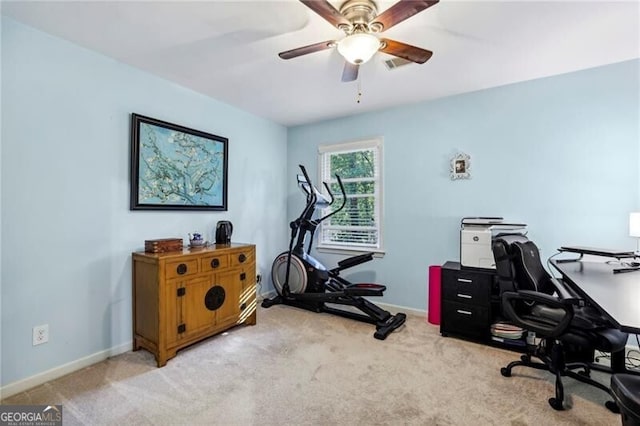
176 168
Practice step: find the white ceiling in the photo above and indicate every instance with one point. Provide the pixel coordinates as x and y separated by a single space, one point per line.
229 50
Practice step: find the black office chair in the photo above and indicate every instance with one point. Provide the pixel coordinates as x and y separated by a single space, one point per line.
569 333
626 392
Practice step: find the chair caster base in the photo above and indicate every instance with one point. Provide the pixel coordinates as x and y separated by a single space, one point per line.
612 406
585 373
556 404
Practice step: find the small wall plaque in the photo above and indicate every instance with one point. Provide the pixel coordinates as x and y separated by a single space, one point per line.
460 167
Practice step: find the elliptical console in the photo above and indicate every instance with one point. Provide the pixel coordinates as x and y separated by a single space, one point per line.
304 282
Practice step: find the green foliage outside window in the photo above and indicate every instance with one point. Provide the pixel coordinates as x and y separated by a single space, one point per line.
356 223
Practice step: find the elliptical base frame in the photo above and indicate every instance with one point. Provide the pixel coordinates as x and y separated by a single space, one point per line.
384 321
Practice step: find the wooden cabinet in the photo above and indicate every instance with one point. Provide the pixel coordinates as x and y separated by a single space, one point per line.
180 298
466 301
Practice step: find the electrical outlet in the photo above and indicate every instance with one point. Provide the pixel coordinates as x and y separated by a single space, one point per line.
40 334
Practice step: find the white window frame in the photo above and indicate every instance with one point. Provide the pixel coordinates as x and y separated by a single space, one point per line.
365 144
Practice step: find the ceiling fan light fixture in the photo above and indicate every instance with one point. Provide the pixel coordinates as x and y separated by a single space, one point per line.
358 48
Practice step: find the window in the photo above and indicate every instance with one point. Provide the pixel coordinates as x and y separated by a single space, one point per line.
359 225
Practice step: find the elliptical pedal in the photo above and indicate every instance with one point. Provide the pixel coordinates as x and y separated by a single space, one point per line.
365 289
385 328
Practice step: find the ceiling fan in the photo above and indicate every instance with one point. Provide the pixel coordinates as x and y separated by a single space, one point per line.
360 22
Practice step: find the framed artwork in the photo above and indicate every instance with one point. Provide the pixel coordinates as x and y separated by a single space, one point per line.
176 168
460 167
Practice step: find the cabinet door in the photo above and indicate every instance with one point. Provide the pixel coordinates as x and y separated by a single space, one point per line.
193 312
231 282
171 313
247 298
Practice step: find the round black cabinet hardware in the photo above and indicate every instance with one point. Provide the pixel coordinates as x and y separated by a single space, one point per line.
243 306
214 298
181 269
242 258
215 263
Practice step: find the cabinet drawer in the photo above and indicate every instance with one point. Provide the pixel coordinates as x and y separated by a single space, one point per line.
466 287
212 263
243 257
466 320
181 268
248 276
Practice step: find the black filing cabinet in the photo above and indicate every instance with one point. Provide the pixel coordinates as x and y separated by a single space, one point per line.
466 301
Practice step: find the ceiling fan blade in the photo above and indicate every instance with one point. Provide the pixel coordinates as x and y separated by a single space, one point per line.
316 47
350 72
405 51
400 11
327 11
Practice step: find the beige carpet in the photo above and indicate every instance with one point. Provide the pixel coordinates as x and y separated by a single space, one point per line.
299 368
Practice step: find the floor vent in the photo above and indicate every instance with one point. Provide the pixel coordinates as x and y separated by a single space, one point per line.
396 62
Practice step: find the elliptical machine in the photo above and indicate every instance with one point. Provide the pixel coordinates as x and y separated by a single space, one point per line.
304 282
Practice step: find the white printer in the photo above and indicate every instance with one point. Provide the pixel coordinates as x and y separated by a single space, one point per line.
476 234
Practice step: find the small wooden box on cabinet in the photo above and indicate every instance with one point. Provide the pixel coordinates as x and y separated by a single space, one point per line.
182 297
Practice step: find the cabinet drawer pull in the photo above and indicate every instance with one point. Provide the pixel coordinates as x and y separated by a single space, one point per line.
464 296
215 263
460 311
464 280
181 269
214 298
242 258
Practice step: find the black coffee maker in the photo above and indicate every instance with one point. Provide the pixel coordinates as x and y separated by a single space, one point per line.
224 229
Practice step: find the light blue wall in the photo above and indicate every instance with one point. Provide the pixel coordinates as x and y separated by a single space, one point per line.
559 153
1 24
67 231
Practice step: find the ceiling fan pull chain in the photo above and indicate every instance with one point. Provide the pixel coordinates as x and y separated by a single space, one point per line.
359 91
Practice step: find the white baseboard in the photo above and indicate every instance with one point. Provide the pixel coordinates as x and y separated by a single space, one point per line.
62 370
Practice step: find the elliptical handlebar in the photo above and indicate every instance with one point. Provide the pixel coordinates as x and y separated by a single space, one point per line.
344 199
329 192
305 222
312 193
307 212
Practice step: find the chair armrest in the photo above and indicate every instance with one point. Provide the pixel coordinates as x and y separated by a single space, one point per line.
545 327
564 293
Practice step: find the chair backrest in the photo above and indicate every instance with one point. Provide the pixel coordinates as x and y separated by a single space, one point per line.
518 265
503 254
530 271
